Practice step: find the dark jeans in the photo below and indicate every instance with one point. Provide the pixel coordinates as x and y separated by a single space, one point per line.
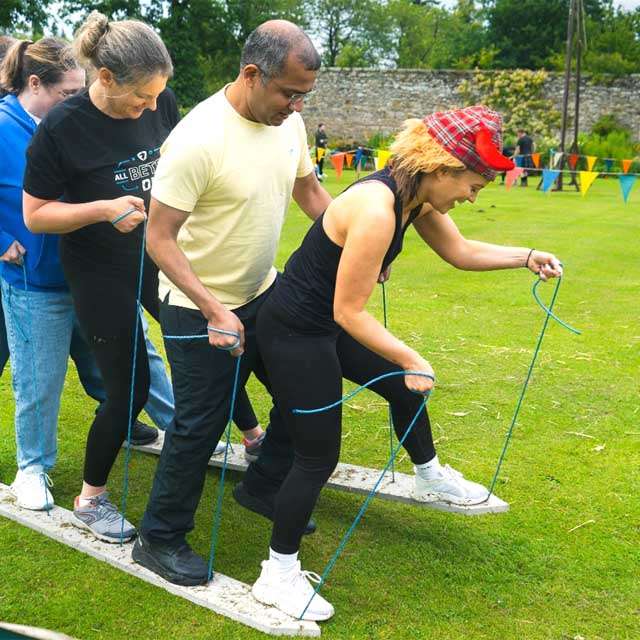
4 346
202 383
306 371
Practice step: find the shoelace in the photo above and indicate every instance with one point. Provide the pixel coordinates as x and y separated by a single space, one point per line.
106 509
46 480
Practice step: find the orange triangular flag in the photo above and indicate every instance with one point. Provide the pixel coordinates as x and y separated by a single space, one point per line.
572 160
626 165
591 160
337 160
535 158
586 180
349 157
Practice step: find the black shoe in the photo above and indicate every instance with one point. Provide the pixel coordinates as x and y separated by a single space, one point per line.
142 434
262 505
176 563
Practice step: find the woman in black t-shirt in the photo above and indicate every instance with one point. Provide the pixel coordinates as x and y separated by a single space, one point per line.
88 177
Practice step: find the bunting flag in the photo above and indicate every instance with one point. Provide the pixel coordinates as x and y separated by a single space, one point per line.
519 160
573 160
320 152
535 158
383 158
359 159
626 184
376 163
626 165
608 164
548 178
557 158
586 180
591 160
337 160
349 159
511 176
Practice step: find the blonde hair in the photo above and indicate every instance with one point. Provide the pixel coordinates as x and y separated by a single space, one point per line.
415 153
49 59
130 49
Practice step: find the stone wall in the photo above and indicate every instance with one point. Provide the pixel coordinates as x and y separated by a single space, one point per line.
357 103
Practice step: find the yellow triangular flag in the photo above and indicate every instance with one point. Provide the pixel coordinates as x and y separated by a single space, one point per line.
591 160
320 151
586 180
383 158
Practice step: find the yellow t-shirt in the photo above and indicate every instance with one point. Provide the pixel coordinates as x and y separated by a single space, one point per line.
235 177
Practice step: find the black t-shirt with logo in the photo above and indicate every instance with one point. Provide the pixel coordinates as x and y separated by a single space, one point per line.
79 154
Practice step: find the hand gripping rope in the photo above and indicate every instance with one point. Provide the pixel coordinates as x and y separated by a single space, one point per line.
548 314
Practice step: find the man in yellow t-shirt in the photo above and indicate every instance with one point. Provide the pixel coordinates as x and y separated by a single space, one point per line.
220 193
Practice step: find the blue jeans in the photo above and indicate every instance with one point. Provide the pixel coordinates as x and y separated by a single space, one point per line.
42 332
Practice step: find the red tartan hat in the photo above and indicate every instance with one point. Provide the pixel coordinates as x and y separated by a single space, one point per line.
473 135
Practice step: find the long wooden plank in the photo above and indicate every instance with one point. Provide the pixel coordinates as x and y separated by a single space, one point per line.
349 477
223 595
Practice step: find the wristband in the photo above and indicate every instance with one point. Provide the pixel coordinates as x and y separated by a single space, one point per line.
526 264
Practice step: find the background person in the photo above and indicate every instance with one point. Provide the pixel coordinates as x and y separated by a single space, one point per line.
524 148
321 143
224 183
79 186
313 331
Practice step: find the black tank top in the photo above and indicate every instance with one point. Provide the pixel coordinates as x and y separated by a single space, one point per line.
303 296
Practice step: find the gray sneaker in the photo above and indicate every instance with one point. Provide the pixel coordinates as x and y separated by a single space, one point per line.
103 520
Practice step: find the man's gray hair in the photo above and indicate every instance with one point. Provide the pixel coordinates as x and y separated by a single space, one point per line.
268 48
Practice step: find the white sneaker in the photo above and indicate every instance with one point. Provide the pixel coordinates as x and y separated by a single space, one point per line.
448 485
32 490
290 591
219 450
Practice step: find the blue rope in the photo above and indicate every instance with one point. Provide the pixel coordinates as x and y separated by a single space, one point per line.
548 314
138 310
29 338
345 539
218 511
384 313
199 336
365 504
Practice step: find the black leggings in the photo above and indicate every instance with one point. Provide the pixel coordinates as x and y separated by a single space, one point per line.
104 297
306 371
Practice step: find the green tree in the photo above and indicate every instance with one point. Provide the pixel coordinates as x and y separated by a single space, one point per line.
519 96
25 16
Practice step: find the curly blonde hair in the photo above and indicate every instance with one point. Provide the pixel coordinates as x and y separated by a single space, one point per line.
415 153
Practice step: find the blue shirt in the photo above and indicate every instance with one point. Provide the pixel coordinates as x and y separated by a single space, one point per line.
44 272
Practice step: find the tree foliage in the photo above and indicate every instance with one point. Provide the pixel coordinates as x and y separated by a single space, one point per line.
205 37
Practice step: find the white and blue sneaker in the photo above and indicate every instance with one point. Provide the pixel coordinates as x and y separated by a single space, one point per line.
444 484
290 591
31 489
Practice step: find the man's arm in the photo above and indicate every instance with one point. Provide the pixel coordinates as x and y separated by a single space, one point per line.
162 234
312 197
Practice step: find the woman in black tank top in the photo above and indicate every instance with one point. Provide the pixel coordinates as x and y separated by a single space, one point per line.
314 329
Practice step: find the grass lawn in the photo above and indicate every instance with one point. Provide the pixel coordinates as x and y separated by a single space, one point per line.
408 572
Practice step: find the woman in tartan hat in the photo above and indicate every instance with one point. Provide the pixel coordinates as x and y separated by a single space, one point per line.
315 329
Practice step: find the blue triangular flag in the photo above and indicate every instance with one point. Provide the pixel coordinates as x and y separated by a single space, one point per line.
548 178
608 164
626 184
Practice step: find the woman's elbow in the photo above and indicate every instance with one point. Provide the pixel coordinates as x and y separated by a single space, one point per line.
343 317
31 221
